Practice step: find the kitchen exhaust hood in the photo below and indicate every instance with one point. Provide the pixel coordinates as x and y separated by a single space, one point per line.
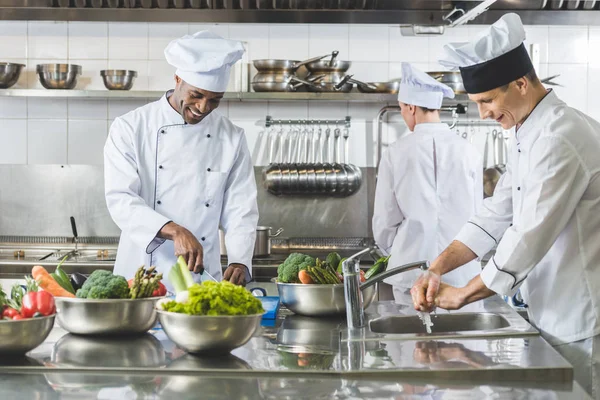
390 12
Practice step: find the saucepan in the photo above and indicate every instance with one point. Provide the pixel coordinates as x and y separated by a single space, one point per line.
262 246
379 87
278 82
450 78
289 66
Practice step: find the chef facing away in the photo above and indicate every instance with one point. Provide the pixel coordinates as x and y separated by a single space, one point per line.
176 170
429 184
544 216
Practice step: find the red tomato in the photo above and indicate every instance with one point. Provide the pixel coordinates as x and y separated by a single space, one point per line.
161 291
38 302
362 276
18 317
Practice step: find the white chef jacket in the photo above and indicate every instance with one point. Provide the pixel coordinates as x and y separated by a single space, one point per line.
545 219
429 184
158 169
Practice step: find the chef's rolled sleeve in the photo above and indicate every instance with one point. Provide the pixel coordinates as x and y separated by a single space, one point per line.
239 215
551 193
476 238
122 187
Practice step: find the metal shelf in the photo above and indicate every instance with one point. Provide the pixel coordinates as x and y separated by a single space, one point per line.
406 16
229 96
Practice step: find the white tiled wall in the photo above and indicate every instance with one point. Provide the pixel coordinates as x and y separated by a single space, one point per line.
41 131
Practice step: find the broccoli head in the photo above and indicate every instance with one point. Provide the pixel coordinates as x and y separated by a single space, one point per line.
296 262
104 285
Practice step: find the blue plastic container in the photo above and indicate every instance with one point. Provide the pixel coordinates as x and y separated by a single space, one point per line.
270 303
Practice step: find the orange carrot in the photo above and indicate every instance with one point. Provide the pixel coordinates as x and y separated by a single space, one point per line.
46 282
304 277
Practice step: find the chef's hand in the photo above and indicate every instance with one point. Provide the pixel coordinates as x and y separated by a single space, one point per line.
186 245
424 291
236 274
450 297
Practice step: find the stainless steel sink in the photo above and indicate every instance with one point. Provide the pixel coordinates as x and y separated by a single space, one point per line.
444 323
491 317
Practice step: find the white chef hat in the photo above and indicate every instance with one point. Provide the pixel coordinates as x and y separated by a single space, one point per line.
496 57
420 89
204 59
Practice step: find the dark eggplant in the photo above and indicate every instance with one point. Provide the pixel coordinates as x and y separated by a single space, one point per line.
77 280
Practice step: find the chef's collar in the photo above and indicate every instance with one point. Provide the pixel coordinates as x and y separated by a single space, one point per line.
428 127
169 113
537 116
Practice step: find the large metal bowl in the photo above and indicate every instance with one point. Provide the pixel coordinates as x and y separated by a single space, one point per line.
58 76
19 337
118 79
9 74
318 300
106 316
209 334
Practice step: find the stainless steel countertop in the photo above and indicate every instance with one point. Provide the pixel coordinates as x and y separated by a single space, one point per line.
298 357
51 385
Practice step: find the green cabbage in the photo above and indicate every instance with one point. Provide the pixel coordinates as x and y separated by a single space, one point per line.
212 298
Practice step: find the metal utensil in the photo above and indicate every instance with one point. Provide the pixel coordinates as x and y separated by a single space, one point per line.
19 337
346 145
9 74
318 300
118 79
208 275
209 334
58 76
334 55
491 175
106 316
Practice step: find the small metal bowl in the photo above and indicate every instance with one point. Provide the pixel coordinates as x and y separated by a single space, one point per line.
209 334
9 74
19 337
58 76
318 300
106 316
118 79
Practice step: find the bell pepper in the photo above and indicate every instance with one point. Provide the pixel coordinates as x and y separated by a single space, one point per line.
38 302
161 291
9 313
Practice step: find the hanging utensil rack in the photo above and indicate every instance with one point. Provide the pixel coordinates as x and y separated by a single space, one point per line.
311 158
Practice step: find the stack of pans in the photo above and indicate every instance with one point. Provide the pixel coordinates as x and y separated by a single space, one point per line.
325 74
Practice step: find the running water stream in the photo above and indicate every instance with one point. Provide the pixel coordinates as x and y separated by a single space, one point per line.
425 317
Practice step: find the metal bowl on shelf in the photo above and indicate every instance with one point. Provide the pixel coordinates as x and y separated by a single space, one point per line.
118 79
318 300
207 334
58 76
9 74
106 316
19 337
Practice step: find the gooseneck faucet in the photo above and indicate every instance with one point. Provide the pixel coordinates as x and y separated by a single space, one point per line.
355 314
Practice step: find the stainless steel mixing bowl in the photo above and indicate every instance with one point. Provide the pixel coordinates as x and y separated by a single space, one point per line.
209 334
106 316
318 300
9 74
19 337
58 76
118 79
